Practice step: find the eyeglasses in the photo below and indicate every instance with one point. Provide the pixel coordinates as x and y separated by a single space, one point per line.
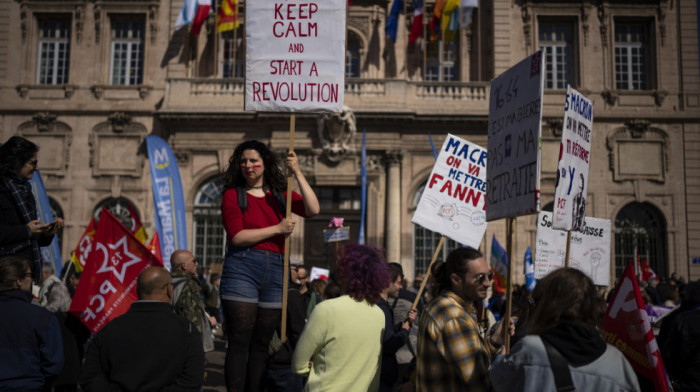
28 275
303 277
33 163
481 277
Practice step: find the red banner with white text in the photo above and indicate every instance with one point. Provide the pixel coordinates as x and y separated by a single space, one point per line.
626 326
108 284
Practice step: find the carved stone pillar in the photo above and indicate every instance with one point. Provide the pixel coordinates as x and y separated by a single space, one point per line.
393 206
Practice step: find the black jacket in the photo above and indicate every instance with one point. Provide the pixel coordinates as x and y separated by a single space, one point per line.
393 339
149 348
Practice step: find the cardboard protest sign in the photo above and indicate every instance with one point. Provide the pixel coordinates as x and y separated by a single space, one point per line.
295 55
574 161
515 119
108 284
589 251
453 200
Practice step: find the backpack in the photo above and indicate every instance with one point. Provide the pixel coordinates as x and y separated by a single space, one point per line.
243 200
207 337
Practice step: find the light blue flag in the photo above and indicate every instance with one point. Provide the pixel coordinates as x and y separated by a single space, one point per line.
51 253
363 188
530 281
168 198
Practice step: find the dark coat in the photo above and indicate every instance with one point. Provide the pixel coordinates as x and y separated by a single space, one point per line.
393 339
31 347
149 348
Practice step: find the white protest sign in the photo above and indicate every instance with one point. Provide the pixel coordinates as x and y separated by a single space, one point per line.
453 200
336 234
574 155
589 251
319 273
295 55
515 119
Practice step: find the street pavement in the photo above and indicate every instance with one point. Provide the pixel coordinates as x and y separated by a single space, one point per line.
215 381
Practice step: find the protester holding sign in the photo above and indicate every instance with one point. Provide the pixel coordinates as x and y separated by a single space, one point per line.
563 346
251 282
21 233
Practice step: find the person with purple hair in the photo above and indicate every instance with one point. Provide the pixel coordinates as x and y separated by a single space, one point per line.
340 348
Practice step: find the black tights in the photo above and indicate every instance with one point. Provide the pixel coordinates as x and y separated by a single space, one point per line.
249 331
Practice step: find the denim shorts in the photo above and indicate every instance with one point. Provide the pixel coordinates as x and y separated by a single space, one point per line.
253 276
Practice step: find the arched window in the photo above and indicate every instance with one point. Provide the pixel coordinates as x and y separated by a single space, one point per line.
641 226
352 56
209 235
425 242
119 207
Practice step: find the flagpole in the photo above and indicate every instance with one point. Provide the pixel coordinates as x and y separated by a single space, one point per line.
216 41
288 214
509 285
425 43
568 248
427 273
235 43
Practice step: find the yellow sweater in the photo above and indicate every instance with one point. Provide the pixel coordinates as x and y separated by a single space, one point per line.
343 339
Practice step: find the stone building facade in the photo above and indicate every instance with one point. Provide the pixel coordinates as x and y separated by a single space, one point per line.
88 80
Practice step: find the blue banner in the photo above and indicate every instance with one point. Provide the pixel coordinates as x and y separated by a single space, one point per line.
51 253
168 198
363 191
530 281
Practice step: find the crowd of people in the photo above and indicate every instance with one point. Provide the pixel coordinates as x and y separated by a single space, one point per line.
363 329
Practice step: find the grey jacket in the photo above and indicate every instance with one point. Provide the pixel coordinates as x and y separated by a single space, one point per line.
527 368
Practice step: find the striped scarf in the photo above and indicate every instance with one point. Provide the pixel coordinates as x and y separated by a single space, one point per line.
21 192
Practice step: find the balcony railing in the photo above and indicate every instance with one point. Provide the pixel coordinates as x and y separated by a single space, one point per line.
362 95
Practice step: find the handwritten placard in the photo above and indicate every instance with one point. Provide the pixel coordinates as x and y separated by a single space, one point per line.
295 55
589 250
452 202
574 161
514 132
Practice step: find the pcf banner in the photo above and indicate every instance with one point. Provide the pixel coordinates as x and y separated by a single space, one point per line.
589 251
574 161
515 119
295 55
453 200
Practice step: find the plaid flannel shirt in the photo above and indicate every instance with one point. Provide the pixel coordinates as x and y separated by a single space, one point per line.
452 355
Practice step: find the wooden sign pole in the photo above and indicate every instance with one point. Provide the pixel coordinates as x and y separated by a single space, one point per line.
288 215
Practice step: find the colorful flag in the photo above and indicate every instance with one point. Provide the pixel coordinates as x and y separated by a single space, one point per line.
530 281
227 18
626 326
647 272
363 187
392 24
154 247
186 16
168 198
467 6
417 25
435 21
499 263
450 20
108 284
136 226
84 247
51 253
200 15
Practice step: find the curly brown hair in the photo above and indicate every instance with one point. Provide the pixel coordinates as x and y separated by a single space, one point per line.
273 178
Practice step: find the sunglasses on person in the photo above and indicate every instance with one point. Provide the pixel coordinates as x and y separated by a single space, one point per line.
481 277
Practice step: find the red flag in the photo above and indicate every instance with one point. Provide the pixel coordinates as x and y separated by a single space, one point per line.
108 284
154 247
626 326
647 272
203 7
136 226
82 250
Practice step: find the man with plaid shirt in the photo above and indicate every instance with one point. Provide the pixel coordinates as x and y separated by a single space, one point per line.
452 354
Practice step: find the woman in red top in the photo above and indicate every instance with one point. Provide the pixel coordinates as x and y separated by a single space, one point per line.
251 281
